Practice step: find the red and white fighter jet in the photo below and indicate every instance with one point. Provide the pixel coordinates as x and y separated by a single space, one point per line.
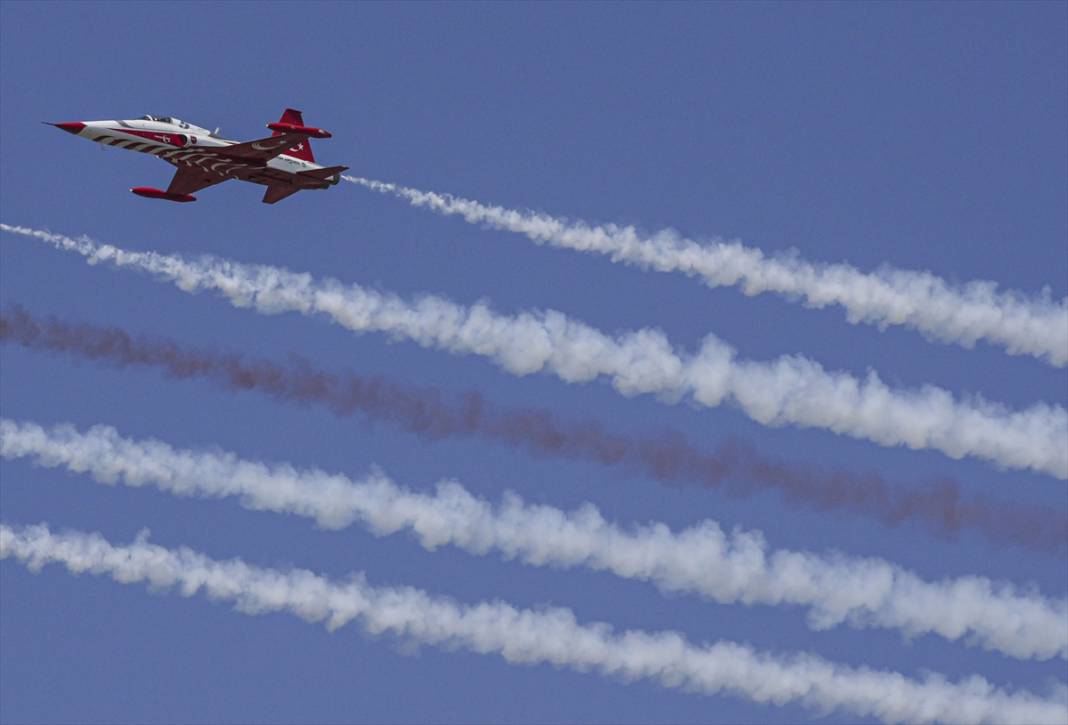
283 162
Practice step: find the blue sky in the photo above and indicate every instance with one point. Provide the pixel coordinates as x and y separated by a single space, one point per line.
926 136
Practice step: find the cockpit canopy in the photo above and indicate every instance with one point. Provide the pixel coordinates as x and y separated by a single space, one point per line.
166 119
180 123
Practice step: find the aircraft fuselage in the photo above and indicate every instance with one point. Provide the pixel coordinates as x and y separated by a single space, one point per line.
204 158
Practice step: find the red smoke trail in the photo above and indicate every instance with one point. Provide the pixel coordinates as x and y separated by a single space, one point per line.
667 457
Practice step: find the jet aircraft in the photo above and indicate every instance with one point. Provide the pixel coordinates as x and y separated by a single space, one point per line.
283 162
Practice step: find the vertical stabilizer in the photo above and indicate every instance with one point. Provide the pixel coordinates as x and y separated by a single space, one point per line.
303 149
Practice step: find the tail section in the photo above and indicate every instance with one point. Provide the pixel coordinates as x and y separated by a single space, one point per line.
303 149
329 174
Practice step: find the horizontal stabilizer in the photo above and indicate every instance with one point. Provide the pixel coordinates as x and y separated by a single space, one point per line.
324 173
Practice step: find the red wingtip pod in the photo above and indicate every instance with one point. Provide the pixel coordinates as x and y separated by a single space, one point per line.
305 130
150 193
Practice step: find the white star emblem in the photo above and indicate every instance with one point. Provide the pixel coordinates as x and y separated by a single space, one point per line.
298 147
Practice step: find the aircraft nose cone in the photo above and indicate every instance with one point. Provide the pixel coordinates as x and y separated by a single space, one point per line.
70 126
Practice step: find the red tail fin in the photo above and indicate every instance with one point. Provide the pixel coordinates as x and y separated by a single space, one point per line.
303 149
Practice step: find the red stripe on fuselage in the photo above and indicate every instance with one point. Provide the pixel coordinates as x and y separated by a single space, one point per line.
172 139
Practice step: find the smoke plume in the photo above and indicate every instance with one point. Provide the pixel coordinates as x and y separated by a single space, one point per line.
702 559
666 456
963 314
551 636
789 390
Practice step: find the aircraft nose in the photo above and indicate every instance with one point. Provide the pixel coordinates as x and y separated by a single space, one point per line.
70 126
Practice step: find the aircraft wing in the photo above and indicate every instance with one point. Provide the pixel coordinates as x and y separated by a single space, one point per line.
263 149
188 179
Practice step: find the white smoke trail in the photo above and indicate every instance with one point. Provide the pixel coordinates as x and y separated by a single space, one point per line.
963 314
728 568
791 389
551 636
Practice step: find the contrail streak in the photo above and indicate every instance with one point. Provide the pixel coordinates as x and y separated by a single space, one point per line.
789 390
666 456
963 314
702 559
552 636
